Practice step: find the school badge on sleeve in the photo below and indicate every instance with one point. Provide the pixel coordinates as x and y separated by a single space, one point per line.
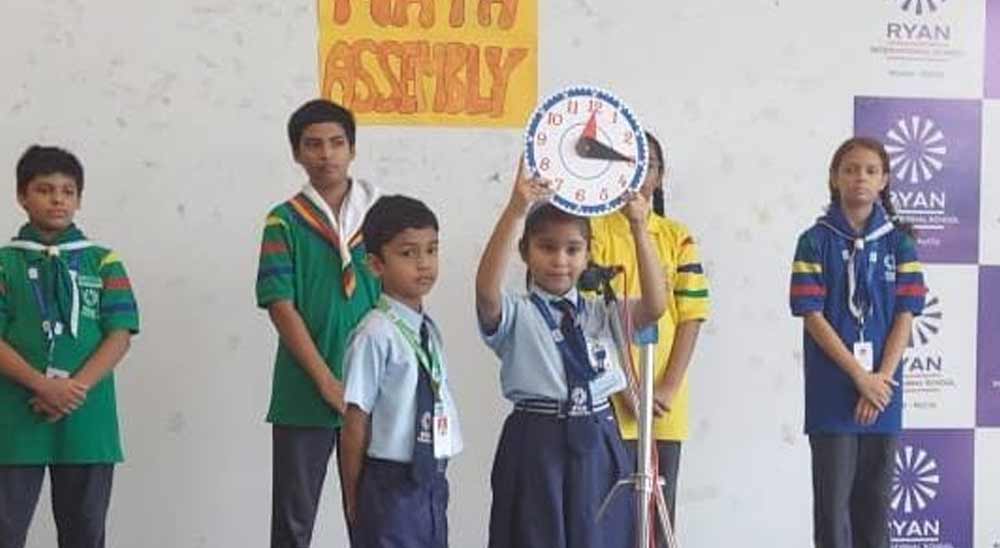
90 295
590 145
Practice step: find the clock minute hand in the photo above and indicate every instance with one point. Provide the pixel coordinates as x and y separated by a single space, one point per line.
590 130
594 149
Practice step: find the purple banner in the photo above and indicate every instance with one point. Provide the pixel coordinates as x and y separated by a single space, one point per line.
934 148
932 489
992 69
988 351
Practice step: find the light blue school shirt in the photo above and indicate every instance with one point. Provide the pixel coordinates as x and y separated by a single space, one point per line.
381 379
530 364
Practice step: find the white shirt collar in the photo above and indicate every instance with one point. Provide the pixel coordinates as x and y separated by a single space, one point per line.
573 295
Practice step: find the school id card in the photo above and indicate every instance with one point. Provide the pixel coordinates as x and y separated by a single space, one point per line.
865 354
56 373
442 432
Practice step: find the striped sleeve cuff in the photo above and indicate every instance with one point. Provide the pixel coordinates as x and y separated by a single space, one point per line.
275 274
911 292
118 306
807 291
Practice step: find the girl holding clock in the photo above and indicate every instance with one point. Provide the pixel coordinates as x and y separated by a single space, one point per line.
560 452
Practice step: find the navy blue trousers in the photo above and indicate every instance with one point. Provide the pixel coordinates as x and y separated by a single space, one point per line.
81 495
300 459
546 495
395 512
852 477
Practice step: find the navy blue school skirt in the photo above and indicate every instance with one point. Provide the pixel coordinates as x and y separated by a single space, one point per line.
546 494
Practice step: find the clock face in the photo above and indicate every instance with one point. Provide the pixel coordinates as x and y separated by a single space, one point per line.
590 146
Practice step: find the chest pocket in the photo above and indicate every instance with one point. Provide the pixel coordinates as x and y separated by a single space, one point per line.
90 295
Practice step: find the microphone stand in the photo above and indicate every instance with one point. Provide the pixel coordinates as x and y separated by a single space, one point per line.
642 481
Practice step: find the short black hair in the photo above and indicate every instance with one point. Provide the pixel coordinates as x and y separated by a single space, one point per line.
318 111
40 160
545 214
391 215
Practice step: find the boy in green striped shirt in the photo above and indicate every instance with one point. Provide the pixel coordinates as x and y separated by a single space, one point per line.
313 281
67 315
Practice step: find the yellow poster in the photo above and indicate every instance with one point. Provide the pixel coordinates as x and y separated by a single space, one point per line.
431 62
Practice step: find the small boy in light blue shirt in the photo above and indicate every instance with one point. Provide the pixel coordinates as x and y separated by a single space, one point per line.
401 426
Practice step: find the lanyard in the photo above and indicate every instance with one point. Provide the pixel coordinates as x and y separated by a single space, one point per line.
52 325
576 366
582 432
859 304
431 362
859 310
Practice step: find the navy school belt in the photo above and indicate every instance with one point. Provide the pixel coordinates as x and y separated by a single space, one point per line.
442 464
555 408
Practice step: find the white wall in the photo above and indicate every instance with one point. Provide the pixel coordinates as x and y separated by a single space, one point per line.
178 109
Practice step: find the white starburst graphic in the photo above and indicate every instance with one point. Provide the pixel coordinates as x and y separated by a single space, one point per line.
916 148
928 324
919 7
916 480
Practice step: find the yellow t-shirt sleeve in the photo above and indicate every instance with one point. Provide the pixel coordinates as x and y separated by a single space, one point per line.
691 286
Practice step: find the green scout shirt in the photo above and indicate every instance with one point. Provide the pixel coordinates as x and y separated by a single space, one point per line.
298 264
104 303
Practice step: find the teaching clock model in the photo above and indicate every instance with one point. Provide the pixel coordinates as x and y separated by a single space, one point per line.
589 145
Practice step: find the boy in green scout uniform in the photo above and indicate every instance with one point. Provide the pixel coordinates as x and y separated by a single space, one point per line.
313 281
67 315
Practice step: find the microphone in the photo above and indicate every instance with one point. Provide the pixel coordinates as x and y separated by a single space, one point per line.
596 277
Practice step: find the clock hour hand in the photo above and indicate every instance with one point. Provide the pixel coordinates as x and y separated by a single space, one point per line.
591 148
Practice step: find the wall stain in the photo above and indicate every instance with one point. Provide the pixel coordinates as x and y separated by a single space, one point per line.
176 423
789 434
702 494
